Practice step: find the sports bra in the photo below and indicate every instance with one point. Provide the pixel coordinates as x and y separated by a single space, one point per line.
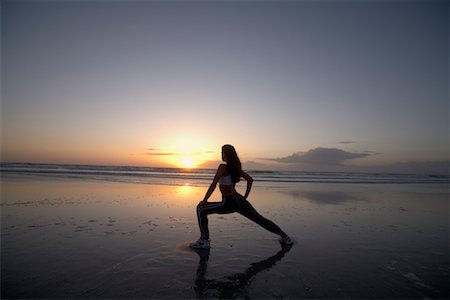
226 180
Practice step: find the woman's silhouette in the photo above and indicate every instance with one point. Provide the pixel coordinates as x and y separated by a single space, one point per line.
227 176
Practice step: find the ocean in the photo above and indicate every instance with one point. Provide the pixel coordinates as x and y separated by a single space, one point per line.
178 176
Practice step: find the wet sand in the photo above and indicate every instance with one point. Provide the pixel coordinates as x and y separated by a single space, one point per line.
76 238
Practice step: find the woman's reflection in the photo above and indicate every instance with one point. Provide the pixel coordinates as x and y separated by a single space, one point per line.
231 286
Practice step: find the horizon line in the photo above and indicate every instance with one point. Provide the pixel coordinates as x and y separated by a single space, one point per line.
197 168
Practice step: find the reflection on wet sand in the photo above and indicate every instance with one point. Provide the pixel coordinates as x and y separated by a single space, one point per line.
325 197
231 286
68 238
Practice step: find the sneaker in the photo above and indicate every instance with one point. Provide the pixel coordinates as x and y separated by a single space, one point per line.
200 244
286 241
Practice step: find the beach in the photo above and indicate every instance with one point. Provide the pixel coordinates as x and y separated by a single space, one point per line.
79 237
116 116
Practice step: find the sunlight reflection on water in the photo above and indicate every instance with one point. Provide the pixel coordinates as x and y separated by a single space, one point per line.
123 238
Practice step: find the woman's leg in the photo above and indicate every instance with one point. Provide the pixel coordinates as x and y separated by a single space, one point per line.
210 208
247 210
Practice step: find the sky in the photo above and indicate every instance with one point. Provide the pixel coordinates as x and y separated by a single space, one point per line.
293 85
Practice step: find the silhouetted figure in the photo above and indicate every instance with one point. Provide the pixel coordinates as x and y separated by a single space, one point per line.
227 176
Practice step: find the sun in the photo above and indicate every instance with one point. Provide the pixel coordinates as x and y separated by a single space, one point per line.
187 162
185 150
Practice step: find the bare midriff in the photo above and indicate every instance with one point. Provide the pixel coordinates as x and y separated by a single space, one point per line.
227 190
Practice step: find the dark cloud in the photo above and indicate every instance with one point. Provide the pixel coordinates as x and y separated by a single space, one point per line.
320 156
372 152
346 142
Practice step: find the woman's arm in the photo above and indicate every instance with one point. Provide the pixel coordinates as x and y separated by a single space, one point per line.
220 170
249 180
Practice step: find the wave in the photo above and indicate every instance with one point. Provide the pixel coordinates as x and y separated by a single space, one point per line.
152 174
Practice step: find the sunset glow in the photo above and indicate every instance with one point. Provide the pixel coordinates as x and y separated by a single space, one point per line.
188 163
184 150
186 190
315 127
170 82
186 160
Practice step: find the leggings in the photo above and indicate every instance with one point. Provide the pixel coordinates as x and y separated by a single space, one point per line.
231 204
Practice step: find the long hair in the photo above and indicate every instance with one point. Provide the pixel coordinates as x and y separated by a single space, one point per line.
233 163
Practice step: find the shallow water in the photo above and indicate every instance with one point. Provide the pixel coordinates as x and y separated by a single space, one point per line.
76 238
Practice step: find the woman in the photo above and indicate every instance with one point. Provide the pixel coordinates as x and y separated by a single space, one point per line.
227 176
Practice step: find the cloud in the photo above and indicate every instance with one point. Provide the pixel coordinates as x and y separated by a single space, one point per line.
320 156
162 153
156 152
372 152
346 142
